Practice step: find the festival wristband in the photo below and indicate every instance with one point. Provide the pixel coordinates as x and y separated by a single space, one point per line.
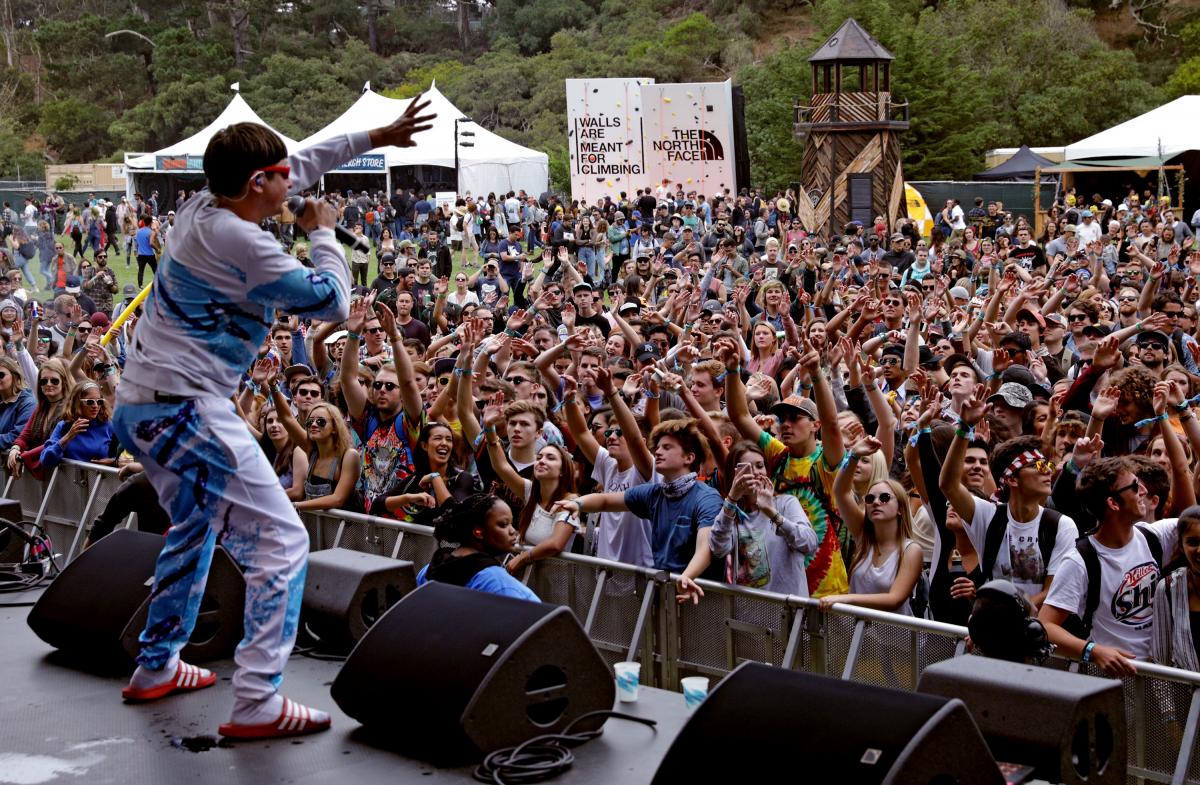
1087 651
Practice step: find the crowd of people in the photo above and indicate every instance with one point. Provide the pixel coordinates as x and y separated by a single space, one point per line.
705 385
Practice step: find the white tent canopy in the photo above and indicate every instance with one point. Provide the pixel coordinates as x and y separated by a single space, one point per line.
1163 133
237 111
493 164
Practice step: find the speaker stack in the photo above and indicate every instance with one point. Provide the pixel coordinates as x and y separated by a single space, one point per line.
760 721
449 673
97 607
346 592
1069 727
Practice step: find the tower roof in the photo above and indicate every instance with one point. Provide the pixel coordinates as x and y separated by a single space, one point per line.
850 42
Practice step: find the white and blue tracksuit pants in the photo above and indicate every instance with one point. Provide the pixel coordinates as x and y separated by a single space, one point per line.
217 485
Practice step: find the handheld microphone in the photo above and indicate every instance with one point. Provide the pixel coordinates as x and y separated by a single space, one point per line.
298 204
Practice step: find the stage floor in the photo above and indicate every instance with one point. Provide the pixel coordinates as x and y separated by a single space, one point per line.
59 724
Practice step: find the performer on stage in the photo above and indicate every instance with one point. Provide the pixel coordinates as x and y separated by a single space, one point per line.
218 287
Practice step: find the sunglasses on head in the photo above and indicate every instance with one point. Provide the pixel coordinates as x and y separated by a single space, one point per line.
320 422
389 386
883 498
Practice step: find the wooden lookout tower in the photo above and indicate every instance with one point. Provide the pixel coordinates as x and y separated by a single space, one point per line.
851 166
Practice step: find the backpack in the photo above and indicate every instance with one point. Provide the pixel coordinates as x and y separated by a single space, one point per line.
998 526
1082 627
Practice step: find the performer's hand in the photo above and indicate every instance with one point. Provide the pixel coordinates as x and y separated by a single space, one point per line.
318 213
401 132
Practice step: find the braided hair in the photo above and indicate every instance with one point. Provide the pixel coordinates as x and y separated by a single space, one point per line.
454 526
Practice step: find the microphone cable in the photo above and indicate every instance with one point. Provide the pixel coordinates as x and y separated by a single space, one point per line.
543 757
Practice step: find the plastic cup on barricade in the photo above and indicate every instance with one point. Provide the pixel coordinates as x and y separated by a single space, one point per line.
628 678
695 689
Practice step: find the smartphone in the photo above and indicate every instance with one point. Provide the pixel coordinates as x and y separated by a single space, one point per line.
742 466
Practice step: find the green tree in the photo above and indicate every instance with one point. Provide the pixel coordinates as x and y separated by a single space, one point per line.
1185 80
15 157
77 130
531 23
179 110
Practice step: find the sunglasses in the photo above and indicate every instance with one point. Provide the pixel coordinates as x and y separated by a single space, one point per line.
890 361
389 386
1078 317
374 330
460 280
517 380
277 169
1128 299
1044 466
883 498
320 422
83 329
612 432
48 382
91 401
443 381
303 393
1154 347
1135 486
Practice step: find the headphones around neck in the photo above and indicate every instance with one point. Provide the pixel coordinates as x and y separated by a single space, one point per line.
1001 624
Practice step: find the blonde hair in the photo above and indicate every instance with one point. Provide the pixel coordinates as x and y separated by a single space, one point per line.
869 540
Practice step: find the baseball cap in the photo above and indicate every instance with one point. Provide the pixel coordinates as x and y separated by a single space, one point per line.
628 305
1097 331
130 291
1152 336
898 237
646 351
1014 394
1037 317
1055 318
796 403
443 365
581 286
1071 228
960 293
100 321
72 284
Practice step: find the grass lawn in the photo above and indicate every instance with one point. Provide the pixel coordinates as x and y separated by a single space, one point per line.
126 272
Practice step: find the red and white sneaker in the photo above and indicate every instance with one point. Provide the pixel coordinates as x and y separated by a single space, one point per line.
187 679
296 719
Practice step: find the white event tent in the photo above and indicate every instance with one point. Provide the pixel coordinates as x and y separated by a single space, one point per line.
186 157
490 164
1161 133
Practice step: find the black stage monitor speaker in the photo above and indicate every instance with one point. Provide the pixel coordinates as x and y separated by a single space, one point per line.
345 592
1069 727
450 672
97 607
760 721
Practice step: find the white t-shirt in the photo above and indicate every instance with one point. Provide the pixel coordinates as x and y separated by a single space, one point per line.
1020 547
541 525
957 218
622 536
1127 579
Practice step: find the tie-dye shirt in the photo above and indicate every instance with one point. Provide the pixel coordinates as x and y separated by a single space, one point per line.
811 481
221 281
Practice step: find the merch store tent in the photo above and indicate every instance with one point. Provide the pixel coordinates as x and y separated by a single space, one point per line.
491 164
1140 153
1021 166
181 165
1160 134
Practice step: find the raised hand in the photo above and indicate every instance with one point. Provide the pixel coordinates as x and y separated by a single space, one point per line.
866 446
603 380
973 408
1106 403
493 412
1107 352
387 320
1086 450
400 132
1162 392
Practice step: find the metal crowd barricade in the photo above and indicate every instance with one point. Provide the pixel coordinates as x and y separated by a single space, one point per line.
631 613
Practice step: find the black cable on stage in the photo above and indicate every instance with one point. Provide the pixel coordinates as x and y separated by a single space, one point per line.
543 757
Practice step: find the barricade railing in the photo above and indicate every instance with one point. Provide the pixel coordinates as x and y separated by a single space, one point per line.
631 613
